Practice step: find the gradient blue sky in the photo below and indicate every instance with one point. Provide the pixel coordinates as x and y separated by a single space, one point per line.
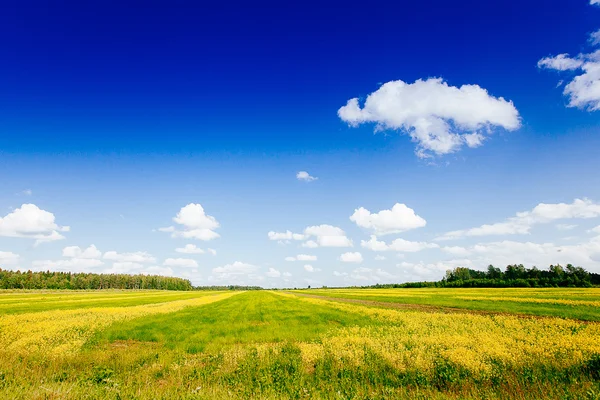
116 115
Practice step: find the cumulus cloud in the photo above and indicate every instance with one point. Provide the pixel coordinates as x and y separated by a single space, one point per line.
399 245
310 268
326 236
29 221
351 257
583 91
311 244
78 252
273 273
399 219
137 257
522 222
287 235
235 270
68 265
195 224
189 249
8 258
305 176
180 262
302 257
435 115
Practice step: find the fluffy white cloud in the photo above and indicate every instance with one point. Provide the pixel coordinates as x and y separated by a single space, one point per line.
583 91
522 222
212 251
399 245
71 264
287 235
8 258
189 249
565 227
435 115
310 244
137 257
29 221
399 219
234 270
180 262
196 224
326 236
305 176
595 2
273 273
302 257
351 257
456 251
310 268
78 252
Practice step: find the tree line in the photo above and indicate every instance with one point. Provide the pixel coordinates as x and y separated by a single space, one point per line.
69 280
512 276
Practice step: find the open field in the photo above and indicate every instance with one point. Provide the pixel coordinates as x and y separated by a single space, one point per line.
573 303
270 344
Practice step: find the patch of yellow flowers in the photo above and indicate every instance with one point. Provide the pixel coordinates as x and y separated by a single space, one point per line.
64 332
415 341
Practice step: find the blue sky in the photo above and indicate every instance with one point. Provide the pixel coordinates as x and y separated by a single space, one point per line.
117 118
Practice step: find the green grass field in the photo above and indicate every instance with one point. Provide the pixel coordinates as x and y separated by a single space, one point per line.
270 344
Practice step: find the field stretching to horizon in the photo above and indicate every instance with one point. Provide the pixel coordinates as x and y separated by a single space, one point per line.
319 343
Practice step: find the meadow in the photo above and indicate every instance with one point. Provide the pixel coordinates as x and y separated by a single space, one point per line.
330 344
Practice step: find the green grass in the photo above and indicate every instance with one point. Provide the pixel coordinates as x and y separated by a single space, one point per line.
251 317
451 298
253 346
15 302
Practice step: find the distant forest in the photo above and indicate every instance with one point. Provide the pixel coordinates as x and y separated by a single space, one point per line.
512 276
83 281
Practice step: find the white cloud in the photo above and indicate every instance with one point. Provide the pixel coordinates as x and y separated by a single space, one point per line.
27 192
125 267
326 236
351 257
435 115
29 221
400 245
234 270
565 227
189 249
302 257
596 229
180 262
305 176
138 257
594 1
523 221
337 273
212 251
399 219
273 273
287 235
379 258
196 224
71 264
311 244
456 251
310 268
78 252
595 38
561 62
583 91
8 258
